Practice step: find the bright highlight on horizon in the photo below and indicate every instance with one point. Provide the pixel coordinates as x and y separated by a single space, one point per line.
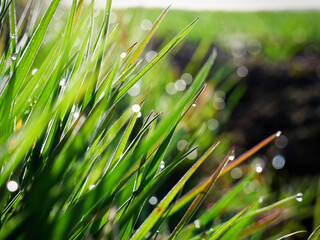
226 5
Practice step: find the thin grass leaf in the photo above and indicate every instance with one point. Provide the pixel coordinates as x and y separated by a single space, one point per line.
29 54
291 234
199 199
160 55
315 234
135 55
192 193
258 225
228 224
250 152
157 212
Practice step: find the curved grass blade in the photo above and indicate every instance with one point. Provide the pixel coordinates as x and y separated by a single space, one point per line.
157 212
291 234
315 234
249 153
192 193
199 199
228 224
135 55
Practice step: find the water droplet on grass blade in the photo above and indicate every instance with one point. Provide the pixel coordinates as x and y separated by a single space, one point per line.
260 200
92 187
197 223
194 104
63 82
299 197
136 108
76 114
12 186
14 57
278 134
123 55
259 168
13 36
34 71
162 165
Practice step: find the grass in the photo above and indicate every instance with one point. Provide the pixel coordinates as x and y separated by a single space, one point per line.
82 159
281 34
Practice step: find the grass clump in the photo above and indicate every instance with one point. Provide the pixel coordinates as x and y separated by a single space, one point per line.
78 161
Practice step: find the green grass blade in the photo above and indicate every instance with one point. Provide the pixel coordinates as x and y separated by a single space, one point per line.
135 55
228 224
315 234
33 46
291 234
199 199
192 193
157 212
156 59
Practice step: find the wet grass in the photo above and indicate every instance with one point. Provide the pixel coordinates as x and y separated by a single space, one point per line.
81 158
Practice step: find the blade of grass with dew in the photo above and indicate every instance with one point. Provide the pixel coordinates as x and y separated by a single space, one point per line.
120 148
160 55
228 224
315 234
211 213
142 193
225 200
199 199
155 215
193 192
136 54
33 46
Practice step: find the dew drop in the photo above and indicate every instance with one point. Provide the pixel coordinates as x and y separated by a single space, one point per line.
136 108
194 104
299 197
76 114
139 115
259 168
63 82
278 134
260 200
13 36
197 223
123 55
34 71
12 186
14 57
232 156
92 187
162 165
